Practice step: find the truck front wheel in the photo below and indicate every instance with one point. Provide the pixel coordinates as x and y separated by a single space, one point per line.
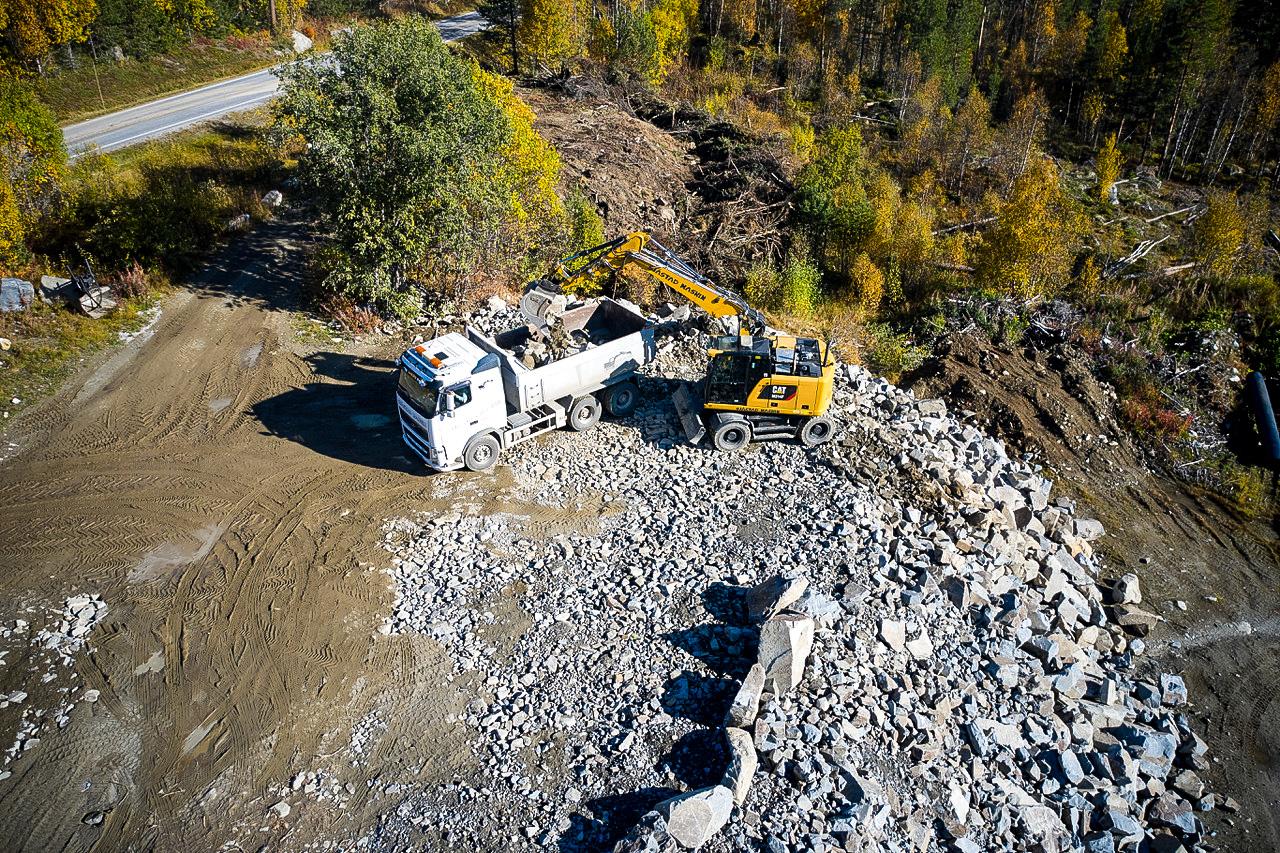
620 400
481 454
584 413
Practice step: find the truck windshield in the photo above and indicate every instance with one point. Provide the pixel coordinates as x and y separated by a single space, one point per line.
421 395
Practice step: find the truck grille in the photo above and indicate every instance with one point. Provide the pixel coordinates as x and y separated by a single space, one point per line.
414 437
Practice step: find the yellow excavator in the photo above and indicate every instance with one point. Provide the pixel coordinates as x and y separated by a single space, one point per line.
760 383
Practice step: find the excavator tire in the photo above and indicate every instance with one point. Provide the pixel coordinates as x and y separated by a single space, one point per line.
817 431
620 400
481 453
584 413
731 435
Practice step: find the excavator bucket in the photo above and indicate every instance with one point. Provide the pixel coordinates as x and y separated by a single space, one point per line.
542 306
689 409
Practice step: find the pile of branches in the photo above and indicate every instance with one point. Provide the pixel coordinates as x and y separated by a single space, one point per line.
743 198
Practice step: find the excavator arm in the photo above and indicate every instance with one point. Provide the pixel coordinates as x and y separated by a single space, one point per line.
640 250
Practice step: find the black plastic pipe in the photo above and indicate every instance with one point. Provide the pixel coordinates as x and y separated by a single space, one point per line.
1264 415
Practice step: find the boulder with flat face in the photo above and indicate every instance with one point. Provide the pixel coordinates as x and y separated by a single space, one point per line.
785 642
693 818
15 295
742 763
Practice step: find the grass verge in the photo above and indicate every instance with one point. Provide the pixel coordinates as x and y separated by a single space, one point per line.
140 215
49 343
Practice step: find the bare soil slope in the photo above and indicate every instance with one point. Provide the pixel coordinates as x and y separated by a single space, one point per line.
1185 545
218 486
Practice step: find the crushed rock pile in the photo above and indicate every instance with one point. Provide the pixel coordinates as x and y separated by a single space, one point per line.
49 656
952 673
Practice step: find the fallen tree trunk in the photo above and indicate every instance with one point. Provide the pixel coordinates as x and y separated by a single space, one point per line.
972 223
1141 251
1186 209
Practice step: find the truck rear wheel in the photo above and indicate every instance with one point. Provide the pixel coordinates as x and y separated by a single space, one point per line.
584 413
816 431
481 454
731 435
620 400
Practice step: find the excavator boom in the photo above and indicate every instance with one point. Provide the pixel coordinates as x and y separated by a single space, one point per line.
641 250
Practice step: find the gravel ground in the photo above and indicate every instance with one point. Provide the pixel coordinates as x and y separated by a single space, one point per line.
969 685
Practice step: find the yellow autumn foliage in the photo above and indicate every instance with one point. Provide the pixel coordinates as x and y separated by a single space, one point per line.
531 166
1108 166
1219 234
1029 250
868 283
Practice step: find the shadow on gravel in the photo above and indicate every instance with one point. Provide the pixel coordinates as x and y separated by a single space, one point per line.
699 698
727 603
611 818
726 649
698 759
348 413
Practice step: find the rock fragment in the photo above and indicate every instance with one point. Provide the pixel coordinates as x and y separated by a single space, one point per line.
785 641
746 702
693 818
742 763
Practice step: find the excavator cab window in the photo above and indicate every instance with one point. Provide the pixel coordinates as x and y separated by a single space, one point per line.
733 375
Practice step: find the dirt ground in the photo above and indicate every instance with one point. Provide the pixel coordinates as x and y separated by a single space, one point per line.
1184 544
221 485
636 173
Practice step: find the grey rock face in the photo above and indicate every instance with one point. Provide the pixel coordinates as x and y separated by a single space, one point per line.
746 702
742 763
1127 590
785 641
775 595
693 818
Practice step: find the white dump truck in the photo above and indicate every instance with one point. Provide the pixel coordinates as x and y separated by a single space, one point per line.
465 397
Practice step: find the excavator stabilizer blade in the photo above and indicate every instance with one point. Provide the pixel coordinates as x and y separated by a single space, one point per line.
689 409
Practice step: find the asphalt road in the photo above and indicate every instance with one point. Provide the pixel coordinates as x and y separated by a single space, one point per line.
175 112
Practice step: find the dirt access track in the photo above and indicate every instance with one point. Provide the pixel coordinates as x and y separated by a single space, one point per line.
221 487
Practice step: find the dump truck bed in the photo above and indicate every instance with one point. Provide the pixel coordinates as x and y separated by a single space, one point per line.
621 341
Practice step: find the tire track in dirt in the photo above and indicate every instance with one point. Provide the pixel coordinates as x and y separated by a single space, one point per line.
211 485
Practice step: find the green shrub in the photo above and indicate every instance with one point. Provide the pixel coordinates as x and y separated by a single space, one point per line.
890 353
425 171
162 204
586 227
793 290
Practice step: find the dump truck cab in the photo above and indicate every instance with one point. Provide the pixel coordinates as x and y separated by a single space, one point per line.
464 398
449 391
